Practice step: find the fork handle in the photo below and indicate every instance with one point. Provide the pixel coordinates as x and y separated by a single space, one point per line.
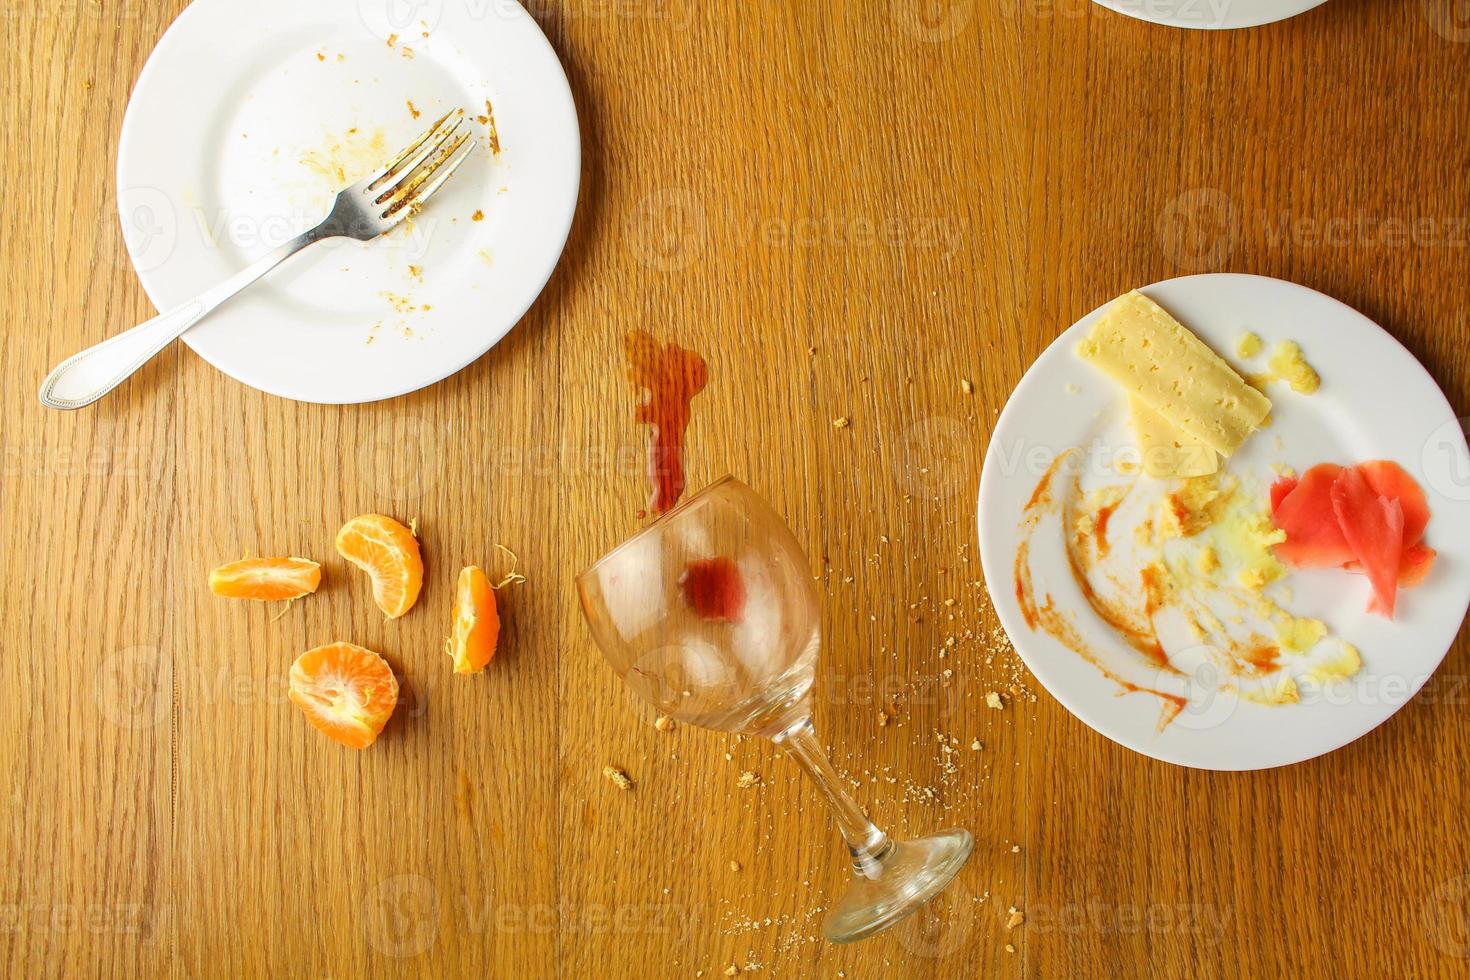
83 378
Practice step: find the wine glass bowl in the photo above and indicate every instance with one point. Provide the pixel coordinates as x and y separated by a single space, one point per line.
711 615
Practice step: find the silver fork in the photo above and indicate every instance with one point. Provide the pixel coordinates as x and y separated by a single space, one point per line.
363 211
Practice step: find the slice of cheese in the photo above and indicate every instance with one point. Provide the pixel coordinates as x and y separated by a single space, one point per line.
1169 452
1156 359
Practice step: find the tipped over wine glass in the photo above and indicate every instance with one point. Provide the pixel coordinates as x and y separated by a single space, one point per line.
710 614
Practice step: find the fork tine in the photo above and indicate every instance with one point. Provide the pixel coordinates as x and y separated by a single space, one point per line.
424 158
422 183
451 163
399 164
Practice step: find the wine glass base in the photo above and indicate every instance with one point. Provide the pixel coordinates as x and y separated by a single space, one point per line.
908 875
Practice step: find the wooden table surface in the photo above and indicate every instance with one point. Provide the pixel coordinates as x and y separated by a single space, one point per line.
849 208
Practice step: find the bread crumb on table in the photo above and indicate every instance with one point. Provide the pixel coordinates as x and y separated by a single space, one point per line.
1014 917
617 777
992 698
748 779
664 723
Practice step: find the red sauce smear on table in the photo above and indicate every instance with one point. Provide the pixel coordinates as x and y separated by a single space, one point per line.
714 589
671 376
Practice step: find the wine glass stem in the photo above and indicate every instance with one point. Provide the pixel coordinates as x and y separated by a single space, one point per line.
867 843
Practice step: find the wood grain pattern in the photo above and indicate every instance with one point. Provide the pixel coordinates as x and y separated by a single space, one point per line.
849 208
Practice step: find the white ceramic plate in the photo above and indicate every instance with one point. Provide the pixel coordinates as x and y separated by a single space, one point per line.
1376 402
247 120
1211 14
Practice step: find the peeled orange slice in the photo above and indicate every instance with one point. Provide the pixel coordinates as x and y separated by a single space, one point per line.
346 691
266 579
389 553
476 622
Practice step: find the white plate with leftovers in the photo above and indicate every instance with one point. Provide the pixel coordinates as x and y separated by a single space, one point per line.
1224 521
249 117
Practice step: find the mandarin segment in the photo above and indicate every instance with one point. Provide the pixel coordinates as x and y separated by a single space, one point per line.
266 579
389 553
476 622
346 691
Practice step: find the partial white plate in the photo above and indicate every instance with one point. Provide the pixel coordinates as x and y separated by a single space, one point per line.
249 117
1376 402
1211 15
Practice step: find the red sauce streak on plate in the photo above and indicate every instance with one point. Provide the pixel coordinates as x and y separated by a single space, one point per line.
1260 657
671 376
1173 703
1140 634
714 589
1135 626
1045 616
1104 515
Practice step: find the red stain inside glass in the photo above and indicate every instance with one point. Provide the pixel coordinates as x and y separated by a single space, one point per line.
714 589
671 376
